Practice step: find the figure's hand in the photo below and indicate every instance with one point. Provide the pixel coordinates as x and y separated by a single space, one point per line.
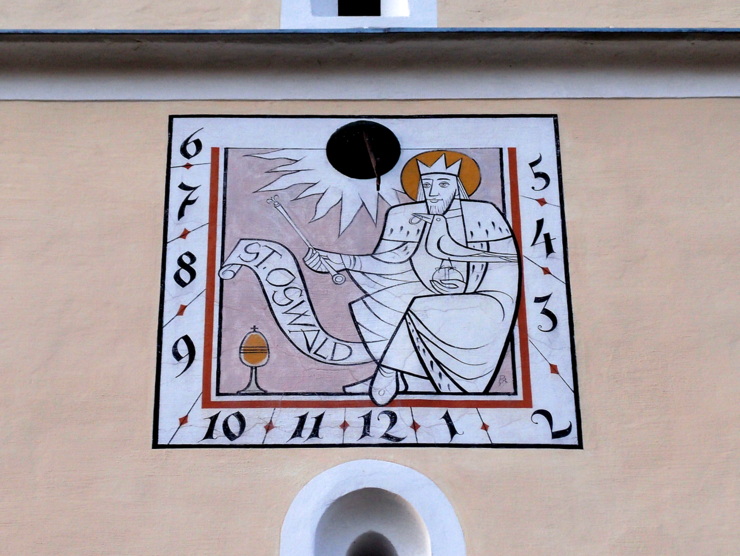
448 286
317 260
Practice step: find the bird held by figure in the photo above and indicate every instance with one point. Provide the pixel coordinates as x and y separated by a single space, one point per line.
442 245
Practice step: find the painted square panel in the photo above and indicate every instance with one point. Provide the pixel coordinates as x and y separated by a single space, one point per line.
365 281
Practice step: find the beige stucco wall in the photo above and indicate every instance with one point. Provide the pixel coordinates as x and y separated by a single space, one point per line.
651 205
591 13
255 14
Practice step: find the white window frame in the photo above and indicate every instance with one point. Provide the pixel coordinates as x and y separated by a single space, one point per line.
301 523
300 14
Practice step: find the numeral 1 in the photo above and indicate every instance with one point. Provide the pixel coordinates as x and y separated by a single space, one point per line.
451 428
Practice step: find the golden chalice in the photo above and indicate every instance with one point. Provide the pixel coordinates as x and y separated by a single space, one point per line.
253 352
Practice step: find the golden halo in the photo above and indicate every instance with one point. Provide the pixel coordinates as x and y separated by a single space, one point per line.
469 171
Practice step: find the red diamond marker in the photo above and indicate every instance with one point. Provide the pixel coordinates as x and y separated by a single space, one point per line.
187 166
542 201
184 233
546 270
183 420
269 426
485 427
554 369
416 426
181 310
344 426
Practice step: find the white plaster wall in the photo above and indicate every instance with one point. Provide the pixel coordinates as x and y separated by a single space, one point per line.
343 502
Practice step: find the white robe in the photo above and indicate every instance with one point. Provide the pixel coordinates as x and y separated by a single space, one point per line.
456 341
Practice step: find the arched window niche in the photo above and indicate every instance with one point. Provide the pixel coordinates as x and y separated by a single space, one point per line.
371 522
371 508
338 14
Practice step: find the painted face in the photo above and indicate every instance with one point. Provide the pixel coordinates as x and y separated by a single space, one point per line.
439 190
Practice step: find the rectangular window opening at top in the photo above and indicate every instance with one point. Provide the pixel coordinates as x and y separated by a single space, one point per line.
357 14
363 8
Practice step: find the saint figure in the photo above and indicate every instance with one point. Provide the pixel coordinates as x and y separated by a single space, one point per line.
441 286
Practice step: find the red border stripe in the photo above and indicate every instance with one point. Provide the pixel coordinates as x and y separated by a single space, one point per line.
209 403
210 280
516 222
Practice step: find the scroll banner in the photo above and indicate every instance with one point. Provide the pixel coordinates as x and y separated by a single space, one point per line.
288 298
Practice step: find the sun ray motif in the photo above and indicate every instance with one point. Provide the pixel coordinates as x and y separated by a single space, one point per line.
301 168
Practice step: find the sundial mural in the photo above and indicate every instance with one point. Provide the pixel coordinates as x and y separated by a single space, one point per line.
340 281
